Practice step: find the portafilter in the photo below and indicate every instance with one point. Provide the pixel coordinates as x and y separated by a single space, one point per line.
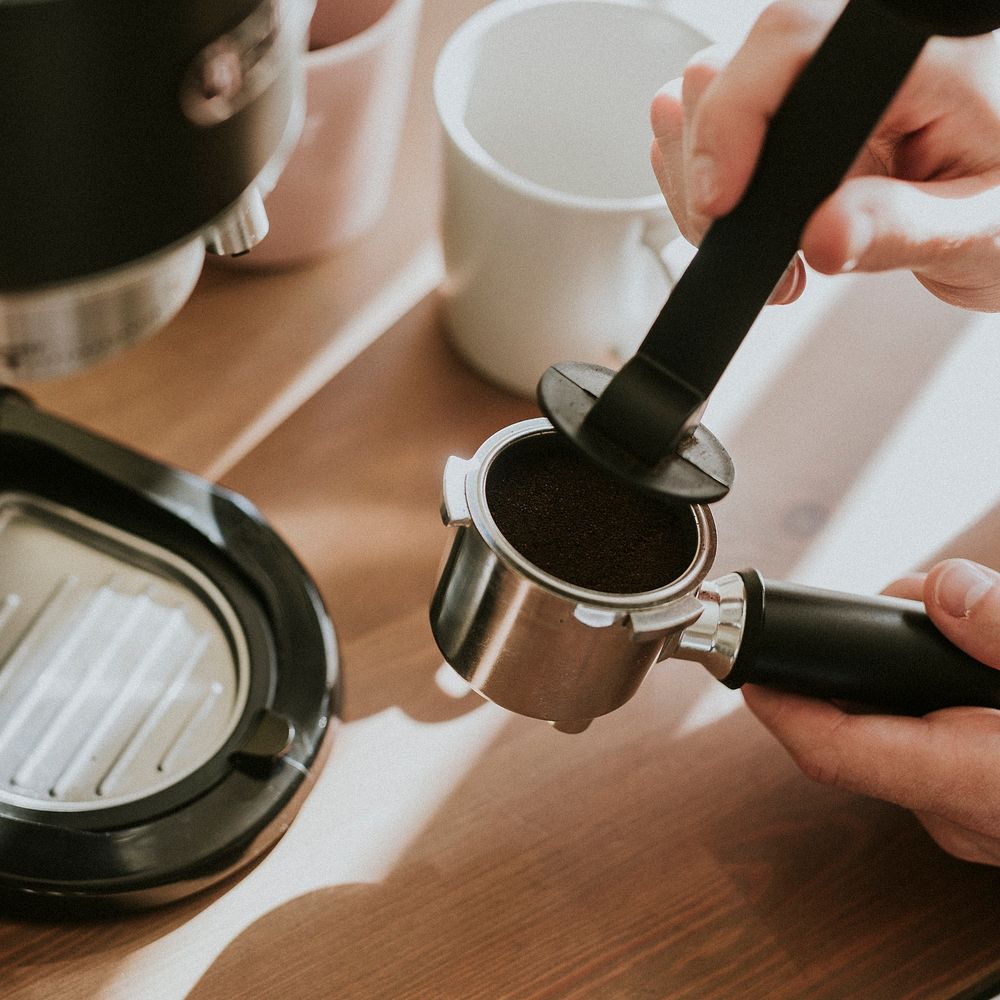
564 585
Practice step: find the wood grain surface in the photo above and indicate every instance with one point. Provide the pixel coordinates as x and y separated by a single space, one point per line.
672 850
645 857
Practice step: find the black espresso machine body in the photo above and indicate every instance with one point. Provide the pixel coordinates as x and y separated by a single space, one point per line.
167 670
134 138
117 136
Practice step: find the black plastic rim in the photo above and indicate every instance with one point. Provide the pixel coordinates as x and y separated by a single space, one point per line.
202 826
699 471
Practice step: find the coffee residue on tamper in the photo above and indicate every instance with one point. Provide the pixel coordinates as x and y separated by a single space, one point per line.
584 526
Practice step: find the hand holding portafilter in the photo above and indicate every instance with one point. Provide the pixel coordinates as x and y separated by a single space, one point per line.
642 424
564 585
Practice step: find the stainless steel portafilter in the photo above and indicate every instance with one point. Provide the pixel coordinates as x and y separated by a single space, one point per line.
564 585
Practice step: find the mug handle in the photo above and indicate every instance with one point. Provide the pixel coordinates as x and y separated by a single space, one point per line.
671 250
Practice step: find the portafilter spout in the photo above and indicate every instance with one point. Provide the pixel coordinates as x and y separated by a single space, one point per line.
563 586
642 424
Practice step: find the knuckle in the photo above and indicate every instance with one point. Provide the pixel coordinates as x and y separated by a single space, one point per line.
819 764
696 77
692 225
702 69
693 231
805 19
711 59
670 92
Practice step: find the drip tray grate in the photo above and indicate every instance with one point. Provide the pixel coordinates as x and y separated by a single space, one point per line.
123 668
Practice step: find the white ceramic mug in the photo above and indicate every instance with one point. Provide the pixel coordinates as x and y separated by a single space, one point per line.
554 227
336 183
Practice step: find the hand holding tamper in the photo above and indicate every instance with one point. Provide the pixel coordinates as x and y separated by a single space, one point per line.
642 423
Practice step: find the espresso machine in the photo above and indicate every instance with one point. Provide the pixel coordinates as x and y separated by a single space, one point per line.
583 540
168 673
133 141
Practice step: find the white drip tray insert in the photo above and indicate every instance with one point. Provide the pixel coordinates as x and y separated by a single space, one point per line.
123 668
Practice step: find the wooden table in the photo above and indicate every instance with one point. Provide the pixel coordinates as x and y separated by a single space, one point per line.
449 850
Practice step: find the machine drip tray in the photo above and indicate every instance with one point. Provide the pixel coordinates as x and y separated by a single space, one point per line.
123 669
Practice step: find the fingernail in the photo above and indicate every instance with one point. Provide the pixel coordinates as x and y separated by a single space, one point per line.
793 276
961 587
860 239
704 182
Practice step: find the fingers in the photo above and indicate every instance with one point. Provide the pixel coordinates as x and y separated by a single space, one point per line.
667 156
730 115
672 115
924 193
945 231
910 588
709 127
699 75
963 600
944 764
853 752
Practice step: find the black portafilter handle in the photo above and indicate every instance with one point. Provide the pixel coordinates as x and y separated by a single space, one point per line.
878 651
637 424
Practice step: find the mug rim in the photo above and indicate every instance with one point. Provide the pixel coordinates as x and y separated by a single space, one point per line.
454 125
362 41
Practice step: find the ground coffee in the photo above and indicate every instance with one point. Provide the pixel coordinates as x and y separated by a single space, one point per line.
588 528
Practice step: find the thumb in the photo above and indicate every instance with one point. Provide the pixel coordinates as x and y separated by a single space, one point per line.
963 600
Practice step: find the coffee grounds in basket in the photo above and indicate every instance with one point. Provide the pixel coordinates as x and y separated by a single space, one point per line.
584 526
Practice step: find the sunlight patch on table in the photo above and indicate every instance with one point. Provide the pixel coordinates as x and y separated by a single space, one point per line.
714 703
933 474
768 350
385 779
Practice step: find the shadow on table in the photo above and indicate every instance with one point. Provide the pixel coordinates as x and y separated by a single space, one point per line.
639 864
59 942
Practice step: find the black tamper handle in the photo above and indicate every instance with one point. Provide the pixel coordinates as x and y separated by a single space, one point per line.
827 115
878 651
